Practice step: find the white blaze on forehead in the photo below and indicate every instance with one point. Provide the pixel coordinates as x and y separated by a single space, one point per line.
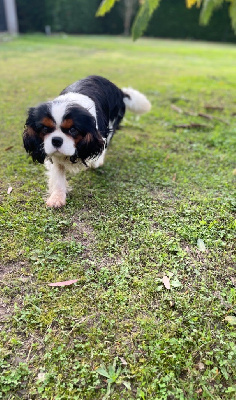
60 104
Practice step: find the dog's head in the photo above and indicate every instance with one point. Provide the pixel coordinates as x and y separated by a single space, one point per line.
61 130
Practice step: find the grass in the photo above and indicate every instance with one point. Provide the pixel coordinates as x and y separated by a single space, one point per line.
118 333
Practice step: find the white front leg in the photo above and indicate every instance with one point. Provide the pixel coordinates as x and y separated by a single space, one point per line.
57 185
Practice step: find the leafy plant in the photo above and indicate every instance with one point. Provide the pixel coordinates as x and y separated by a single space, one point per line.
12 379
112 373
144 15
147 7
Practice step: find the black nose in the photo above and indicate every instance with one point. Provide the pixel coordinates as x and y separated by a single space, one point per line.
57 142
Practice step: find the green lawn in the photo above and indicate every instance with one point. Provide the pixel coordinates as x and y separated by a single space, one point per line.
118 333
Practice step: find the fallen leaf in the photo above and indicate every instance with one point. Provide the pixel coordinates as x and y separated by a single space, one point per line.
192 125
201 245
207 116
166 282
231 319
123 361
9 190
180 111
41 376
201 366
8 148
210 107
177 109
233 280
24 279
199 391
176 283
127 385
198 114
65 283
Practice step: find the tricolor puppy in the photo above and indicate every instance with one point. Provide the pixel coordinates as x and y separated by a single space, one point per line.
72 131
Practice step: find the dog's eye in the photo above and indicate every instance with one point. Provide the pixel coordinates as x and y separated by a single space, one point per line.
45 129
73 131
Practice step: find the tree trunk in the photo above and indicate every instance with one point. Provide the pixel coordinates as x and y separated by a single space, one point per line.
129 9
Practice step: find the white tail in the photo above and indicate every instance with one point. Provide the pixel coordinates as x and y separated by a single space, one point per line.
136 102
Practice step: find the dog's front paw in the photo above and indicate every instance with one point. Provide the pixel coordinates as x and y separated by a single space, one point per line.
56 200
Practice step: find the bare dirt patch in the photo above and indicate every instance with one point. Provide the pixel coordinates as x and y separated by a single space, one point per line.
83 232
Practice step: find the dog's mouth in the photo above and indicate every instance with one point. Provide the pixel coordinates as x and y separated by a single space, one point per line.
60 153
57 153
74 158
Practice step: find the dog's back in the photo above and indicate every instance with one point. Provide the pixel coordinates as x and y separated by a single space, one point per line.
108 99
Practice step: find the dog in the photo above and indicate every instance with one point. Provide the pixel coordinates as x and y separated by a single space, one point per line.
72 132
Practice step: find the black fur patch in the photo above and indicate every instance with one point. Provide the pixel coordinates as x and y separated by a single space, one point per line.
108 99
83 121
33 132
91 143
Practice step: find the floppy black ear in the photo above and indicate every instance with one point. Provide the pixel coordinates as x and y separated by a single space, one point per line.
33 143
90 146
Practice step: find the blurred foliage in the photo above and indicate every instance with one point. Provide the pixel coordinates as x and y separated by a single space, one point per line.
143 16
32 15
147 8
69 16
172 19
78 16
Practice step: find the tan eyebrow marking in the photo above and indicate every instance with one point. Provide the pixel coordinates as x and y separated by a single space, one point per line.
48 122
67 123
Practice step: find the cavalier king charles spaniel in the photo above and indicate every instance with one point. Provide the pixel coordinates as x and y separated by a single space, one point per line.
72 132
